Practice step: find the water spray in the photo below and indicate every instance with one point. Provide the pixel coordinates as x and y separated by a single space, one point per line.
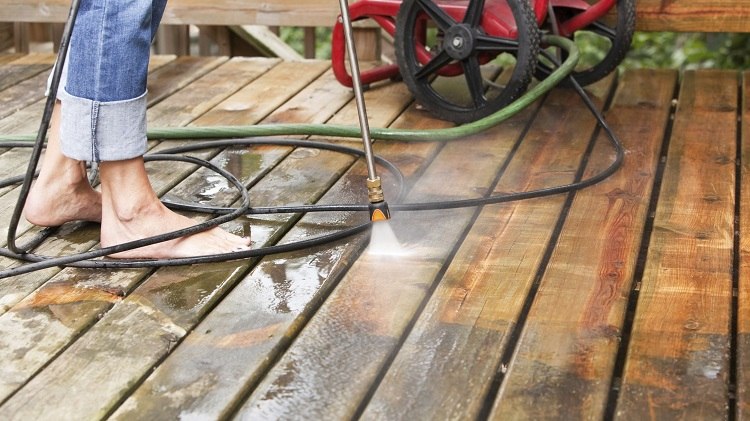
378 207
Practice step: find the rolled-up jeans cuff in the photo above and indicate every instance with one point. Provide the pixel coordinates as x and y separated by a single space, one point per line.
102 131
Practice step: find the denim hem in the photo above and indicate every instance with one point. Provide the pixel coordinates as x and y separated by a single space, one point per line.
102 131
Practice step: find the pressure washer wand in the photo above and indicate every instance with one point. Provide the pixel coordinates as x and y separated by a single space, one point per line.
378 207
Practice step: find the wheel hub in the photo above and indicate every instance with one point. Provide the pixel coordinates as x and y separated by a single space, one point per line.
458 42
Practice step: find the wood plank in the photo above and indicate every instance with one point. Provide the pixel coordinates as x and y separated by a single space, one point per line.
205 93
653 15
678 355
26 120
262 311
13 163
458 339
21 37
179 73
359 325
6 37
22 94
693 15
14 289
28 86
153 304
564 361
742 353
199 12
261 37
24 68
8 57
73 290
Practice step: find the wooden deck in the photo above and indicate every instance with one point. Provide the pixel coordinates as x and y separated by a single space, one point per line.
627 300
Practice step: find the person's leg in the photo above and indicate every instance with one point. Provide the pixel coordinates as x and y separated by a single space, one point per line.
62 192
104 119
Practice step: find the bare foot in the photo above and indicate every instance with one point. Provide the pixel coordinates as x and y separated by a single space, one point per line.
63 197
155 219
62 192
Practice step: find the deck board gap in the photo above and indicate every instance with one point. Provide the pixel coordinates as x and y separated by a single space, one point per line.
622 352
733 407
516 331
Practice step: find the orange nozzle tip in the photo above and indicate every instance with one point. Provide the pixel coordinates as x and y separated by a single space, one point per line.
378 215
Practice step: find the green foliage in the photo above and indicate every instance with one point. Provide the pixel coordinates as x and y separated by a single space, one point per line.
689 50
295 37
649 49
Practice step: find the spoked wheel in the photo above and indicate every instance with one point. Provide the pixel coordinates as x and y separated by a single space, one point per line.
611 35
447 50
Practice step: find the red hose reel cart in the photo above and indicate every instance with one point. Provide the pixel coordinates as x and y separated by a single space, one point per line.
439 39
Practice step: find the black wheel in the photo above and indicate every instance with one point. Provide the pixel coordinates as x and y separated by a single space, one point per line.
610 37
448 58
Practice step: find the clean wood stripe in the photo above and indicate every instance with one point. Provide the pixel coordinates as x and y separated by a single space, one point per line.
678 358
567 350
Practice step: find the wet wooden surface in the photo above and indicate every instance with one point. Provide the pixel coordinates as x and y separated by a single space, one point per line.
626 300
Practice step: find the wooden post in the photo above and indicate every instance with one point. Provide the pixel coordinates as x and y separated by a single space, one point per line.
21 37
173 39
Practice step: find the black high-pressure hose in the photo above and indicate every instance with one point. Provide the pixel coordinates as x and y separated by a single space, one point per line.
42 133
84 260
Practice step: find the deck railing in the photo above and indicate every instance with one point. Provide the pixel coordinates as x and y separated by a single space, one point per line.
238 27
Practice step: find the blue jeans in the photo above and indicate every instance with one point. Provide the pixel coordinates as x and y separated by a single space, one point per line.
103 89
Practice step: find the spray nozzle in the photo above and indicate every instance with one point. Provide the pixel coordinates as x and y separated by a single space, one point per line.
379 211
378 208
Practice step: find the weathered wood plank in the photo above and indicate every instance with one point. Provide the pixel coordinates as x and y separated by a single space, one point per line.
653 15
742 353
678 356
693 15
6 38
459 337
22 94
179 73
7 58
24 68
13 163
563 365
173 298
27 120
74 291
14 289
198 12
233 351
205 93
256 101
337 357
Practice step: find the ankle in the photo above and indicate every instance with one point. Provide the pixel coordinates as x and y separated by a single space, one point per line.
68 175
126 212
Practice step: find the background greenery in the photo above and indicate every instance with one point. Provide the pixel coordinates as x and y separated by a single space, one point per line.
649 49
689 50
